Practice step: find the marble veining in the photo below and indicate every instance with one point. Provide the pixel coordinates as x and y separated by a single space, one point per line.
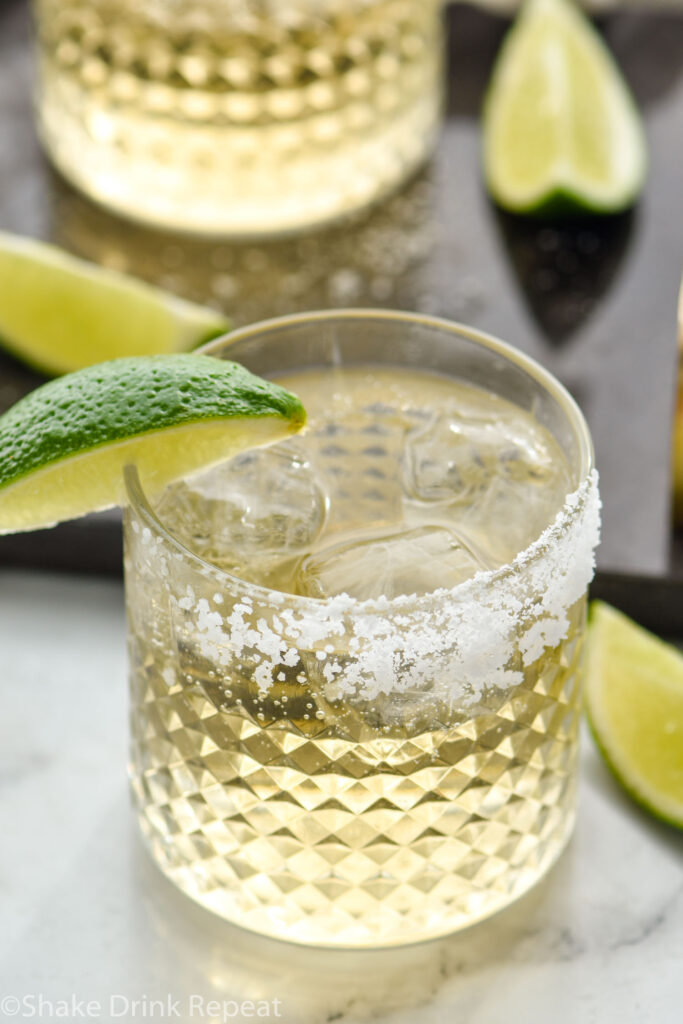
86 913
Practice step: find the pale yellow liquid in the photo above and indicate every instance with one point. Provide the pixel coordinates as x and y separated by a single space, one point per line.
245 118
356 822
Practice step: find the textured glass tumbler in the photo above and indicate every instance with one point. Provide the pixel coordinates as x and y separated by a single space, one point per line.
434 781
238 117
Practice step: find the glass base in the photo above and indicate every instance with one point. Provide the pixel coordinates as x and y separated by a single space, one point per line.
221 181
272 922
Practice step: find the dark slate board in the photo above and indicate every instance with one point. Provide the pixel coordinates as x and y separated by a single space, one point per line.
595 301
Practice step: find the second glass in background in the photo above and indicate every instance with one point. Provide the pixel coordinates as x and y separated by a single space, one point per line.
225 116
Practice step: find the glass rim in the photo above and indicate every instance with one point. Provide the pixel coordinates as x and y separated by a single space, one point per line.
531 366
141 504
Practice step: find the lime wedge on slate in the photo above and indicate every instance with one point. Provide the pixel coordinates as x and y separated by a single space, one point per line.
64 446
562 133
634 700
59 313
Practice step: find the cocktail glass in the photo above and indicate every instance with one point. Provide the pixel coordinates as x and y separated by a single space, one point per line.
351 772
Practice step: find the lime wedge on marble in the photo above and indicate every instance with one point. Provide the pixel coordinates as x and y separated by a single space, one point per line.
64 446
634 701
59 313
561 130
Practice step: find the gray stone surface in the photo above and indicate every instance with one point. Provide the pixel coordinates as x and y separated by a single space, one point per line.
594 302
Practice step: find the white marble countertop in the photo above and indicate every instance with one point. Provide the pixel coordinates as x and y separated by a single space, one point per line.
86 916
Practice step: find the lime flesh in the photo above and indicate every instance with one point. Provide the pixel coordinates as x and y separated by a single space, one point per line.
59 313
561 130
64 446
634 702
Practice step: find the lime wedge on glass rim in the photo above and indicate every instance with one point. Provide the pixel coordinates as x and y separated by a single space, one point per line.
63 447
561 131
59 313
634 704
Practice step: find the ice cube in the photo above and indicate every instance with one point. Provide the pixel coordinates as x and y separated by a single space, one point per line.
256 514
506 517
410 562
497 478
456 454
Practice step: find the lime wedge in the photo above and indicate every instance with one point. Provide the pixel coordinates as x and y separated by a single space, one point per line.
59 313
561 130
634 699
63 447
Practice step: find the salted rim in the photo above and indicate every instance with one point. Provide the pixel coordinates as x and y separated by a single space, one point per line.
352 606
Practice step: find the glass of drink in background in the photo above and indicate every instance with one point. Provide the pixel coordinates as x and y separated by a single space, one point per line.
355 656
238 117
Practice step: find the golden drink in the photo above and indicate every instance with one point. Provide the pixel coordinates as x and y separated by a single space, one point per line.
354 701
234 116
